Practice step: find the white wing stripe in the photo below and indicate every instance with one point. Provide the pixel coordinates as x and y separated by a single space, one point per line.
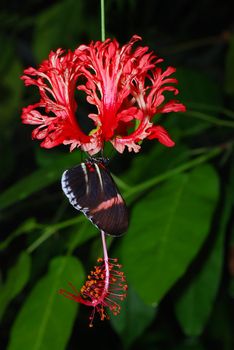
99 175
84 168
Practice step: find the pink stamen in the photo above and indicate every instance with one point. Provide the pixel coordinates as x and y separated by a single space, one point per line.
104 288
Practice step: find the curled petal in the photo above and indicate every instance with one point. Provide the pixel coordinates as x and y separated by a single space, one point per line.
129 114
56 79
172 106
131 141
34 117
158 132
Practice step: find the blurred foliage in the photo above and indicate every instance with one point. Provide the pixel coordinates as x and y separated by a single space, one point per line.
178 254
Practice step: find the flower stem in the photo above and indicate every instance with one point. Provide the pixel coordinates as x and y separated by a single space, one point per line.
105 256
103 35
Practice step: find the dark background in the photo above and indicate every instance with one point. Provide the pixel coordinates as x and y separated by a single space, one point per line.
194 36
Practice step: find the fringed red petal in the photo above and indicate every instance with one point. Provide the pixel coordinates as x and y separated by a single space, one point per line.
126 84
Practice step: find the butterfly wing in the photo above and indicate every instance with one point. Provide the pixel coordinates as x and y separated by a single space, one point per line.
91 189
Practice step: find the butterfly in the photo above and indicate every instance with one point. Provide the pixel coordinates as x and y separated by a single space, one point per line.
91 189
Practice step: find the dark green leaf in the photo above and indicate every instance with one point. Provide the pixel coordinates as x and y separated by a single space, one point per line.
198 87
190 344
134 318
69 24
46 318
80 234
36 181
232 182
157 161
26 227
196 300
17 277
230 67
10 85
195 89
220 327
167 230
67 20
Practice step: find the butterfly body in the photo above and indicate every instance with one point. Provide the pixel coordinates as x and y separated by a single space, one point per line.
91 189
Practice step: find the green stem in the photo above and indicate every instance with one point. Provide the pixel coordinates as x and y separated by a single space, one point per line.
103 35
52 229
211 108
209 119
120 183
138 189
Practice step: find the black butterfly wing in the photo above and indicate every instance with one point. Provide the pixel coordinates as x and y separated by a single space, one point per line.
91 189
111 214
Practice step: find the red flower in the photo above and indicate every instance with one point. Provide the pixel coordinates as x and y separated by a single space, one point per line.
56 79
124 84
106 285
